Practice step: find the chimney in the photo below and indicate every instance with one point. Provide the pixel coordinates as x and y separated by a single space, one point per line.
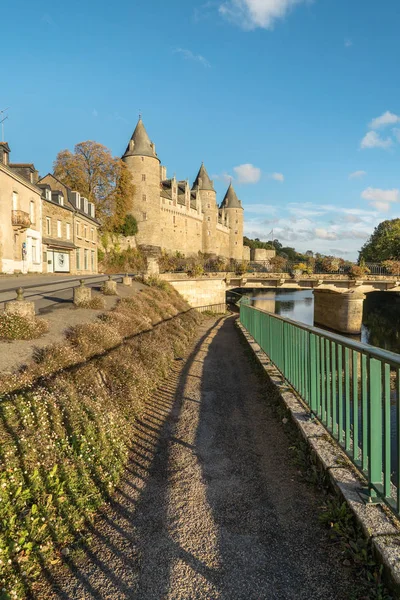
4 153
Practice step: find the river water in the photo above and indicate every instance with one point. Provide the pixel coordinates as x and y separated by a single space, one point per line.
381 318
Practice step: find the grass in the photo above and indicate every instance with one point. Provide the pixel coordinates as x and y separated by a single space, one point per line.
66 426
15 327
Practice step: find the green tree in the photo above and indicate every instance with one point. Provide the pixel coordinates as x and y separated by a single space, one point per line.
129 226
384 243
101 178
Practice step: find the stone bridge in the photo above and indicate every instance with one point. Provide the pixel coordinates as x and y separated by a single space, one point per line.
338 300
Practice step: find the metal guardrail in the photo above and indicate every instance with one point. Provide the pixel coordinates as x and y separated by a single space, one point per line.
352 388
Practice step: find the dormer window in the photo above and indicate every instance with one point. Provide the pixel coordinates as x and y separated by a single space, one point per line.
47 193
85 205
61 200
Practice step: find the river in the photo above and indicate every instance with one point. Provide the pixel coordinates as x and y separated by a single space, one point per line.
381 316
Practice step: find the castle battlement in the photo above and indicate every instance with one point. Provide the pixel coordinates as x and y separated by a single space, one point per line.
175 216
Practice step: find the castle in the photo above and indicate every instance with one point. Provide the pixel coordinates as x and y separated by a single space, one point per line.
176 217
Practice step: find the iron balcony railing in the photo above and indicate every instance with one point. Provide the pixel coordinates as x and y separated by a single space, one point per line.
352 388
21 219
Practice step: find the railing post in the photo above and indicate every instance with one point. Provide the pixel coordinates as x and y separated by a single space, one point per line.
375 426
313 373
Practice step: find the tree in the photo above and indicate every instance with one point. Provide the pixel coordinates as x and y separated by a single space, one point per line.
384 243
129 226
102 179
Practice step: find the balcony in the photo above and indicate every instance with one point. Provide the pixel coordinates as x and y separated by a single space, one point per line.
20 219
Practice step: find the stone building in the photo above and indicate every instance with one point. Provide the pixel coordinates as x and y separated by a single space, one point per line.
175 216
69 229
20 216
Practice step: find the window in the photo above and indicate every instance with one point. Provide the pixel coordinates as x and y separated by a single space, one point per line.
208 205
143 177
93 259
48 226
32 211
61 200
85 232
15 201
92 234
144 197
86 255
208 218
34 250
58 228
144 215
236 221
78 259
68 231
235 243
142 158
77 230
174 219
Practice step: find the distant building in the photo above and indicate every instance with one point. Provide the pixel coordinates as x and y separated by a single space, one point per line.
20 216
69 229
176 217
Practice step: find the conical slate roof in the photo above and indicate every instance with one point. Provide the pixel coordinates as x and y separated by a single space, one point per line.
140 144
231 200
202 180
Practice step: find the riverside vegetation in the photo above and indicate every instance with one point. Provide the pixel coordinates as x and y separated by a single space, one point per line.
66 425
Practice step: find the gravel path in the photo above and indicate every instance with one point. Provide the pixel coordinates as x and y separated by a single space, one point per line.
211 506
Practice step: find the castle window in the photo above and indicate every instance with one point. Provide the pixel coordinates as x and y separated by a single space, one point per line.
142 158
237 221
208 218
208 205
143 177
236 232
174 219
144 216
235 243
144 197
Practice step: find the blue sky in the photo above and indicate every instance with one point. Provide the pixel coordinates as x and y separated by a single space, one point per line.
296 100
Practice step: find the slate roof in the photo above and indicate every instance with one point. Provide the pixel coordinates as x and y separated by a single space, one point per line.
141 146
231 200
202 180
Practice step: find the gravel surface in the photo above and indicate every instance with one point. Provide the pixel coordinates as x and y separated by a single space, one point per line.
211 506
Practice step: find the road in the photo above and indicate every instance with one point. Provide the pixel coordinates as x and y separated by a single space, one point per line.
211 505
46 291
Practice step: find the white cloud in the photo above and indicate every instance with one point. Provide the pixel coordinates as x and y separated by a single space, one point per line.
247 173
278 177
387 118
374 140
357 174
225 177
348 43
380 199
189 55
250 14
324 234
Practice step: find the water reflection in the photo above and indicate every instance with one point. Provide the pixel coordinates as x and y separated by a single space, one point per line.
381 317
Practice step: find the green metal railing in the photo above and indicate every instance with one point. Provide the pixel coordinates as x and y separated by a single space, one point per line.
352 388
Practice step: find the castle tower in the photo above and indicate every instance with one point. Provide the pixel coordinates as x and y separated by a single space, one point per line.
143 163
234 211
208 199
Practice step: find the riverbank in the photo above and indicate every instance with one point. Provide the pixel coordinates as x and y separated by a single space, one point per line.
66 424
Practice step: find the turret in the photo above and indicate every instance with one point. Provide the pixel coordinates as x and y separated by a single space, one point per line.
234 212
206 195
143 163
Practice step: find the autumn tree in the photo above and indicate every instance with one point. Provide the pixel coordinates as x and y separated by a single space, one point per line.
384 243
102 179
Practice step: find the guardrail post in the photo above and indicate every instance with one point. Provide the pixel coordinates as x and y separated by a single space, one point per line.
375 427
313 373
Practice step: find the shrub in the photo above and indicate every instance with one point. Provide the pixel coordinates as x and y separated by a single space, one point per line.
195 270
278 264
392 266
97 303
356 271
14 327
129 226
154 281
66 438
129 260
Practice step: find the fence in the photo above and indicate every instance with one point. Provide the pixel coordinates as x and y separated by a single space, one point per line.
352 388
